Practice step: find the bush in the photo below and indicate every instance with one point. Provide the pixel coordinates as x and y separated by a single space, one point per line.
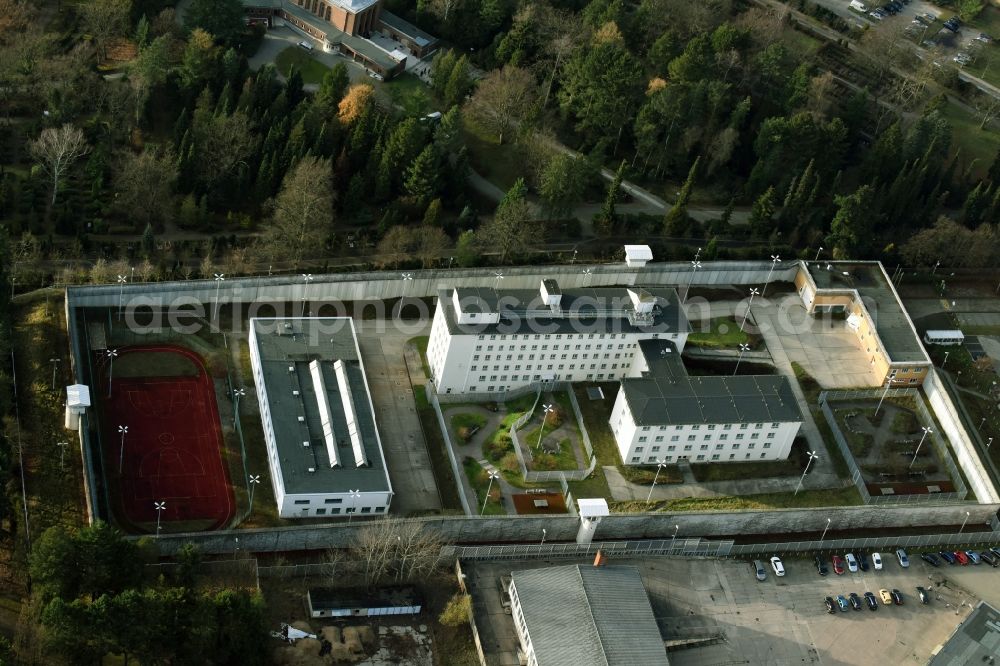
544 461
510 463
499 447
555 418
456 613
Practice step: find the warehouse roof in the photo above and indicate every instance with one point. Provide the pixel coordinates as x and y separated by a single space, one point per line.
667 395
975 641
598 616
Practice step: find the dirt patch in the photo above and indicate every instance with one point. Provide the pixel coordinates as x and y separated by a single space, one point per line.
541 503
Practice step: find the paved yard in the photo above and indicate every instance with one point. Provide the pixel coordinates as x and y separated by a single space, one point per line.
778 621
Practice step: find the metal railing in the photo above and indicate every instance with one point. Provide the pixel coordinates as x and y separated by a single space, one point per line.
620 549
857 475
542 476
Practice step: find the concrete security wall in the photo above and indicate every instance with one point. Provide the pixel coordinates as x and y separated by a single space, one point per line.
528 529
961 444
379 285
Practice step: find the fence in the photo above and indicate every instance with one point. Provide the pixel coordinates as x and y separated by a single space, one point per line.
543 476
857 475
432 398
649 548
504 396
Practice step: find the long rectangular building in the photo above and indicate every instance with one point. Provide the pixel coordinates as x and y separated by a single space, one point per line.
488 340
323 446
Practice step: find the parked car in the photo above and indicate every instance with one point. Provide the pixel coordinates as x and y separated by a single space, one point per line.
904 561
852 563
877 14
995 551
973 556
930 559
948 557
863 561
925 597
831 605
989 558
897 597
961 557
877 561
838 565
779 568
842 603
821 566
886 597
855 601
872 602
984 38
759 570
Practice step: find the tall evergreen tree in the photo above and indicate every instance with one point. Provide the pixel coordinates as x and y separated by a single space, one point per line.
676 222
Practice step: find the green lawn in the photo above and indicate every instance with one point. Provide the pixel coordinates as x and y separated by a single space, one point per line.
469 422
420 342
500 164
480 481
806 498
721 332
736 471
974 143
564 459
410 94
311 70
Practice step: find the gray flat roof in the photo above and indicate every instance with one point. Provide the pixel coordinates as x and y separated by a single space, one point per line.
666 395
286 347
587 310
581 615
406 28
975 641
891 321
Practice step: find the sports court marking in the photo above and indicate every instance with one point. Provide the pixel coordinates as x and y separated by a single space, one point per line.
173 447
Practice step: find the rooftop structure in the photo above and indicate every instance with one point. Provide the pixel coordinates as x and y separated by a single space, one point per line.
575 615
359 601
637 256
863 291
324 448
974 641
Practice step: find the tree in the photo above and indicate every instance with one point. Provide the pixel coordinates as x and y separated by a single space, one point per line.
676 221
851 228
562 185
150 69
510 231
466 253
456 612
399 242
969 9
605 220
196 64
431 242
105 19
422 182
432 215
303 210
144 185
359 96
458 82
332 89
502 99
762 214
57 149
396 549
222 18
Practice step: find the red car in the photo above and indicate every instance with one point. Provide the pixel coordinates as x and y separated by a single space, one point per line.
838 565
961 557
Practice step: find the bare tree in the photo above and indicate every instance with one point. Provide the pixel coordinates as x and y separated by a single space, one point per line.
822 89
440 8
56 150
398 550
430 244
144 185
503 98
399 242
988 107
105 19
303 210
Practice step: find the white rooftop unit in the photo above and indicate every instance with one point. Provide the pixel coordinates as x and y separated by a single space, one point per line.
77 402
319 386
360 459
636 256
593 508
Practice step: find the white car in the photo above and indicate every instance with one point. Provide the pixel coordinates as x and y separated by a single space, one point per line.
779 568
877 561
852 563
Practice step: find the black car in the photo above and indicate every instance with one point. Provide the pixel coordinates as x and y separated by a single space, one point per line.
930 559
831 607
947 557
995 551
989 558
821 566
925 597
863 561
897 597
855 601
872 601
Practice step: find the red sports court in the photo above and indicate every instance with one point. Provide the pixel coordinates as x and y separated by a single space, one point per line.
172 450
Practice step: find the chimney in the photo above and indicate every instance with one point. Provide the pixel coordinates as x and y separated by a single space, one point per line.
599 559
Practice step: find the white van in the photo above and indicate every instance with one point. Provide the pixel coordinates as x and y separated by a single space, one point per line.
306 45
859 6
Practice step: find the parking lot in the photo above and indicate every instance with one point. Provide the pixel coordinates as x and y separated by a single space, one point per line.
731 618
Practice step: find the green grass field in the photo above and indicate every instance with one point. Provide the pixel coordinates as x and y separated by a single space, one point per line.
722 332
410 94
500 164
974 143
806 498
480 481
312 70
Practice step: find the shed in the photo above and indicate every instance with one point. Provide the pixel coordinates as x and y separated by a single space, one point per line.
77 402
636 256
359 602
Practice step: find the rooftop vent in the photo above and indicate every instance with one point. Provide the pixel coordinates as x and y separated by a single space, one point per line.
302 419
291 368
295 392
312 470
305 444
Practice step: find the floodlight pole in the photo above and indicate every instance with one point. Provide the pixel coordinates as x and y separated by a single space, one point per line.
355 495
587 274
307 277
812 456
744 348
888 384
55 364
237 394
927 431
407 279
823 536
774 262
945 359
122 430
62 450
544 534
160 506
677 529
254 479
219 279
753 292
988 442
964 522
659 467
695 265
121 294
817 253
545 413
111 353
493 476
497 276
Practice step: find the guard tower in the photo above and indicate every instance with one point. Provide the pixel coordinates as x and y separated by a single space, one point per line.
636 256
77 402
591 511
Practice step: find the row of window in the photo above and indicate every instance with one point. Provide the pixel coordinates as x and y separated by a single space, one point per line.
710 426
557 348
699 458
494 388
493 378
702 447
707 438
562 357
557 336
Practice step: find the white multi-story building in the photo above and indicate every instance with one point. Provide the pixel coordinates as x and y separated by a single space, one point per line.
662 414
486 340
323 447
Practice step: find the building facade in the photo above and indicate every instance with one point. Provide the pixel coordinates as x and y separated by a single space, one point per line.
663 415
489 341
323 446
